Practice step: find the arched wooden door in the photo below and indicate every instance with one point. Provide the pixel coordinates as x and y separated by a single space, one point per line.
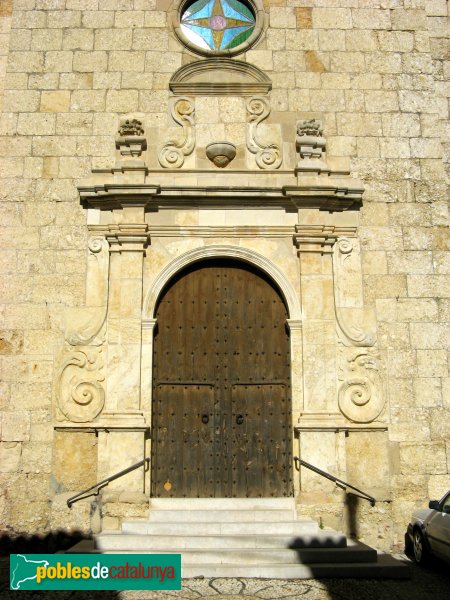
221 422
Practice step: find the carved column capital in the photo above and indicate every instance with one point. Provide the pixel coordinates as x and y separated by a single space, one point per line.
133 237
315 238
319 238
294 324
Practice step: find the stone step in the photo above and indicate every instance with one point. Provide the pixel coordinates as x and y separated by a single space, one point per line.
311 563
218 528
385 567
109 541
207 504
220 515
259 556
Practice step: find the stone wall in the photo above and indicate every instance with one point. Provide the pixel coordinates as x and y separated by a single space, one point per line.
372 70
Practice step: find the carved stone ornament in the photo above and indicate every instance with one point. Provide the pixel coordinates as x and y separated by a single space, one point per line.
86 326
356 325
171 155
310 128
79 392
221 153
311 146
130 140
361 394
81 396
268 156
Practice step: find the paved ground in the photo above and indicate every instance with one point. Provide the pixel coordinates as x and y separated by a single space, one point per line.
432 583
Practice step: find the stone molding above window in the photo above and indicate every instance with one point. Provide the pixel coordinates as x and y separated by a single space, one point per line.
220 77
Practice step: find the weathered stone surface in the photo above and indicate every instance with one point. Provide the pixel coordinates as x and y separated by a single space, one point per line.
433 458
15 426
374 74
74 461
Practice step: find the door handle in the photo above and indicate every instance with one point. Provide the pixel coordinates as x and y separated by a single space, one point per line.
205 419
239 419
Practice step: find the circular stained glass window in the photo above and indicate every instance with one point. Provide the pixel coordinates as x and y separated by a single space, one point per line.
218 26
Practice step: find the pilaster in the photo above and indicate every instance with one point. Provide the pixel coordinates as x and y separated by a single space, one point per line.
127 243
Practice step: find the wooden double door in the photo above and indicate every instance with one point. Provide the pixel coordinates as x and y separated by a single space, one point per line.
221 415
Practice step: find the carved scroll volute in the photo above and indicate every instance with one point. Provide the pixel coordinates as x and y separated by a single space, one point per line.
85 326
172 154
361 394
268 156
356 325
81 395
79 390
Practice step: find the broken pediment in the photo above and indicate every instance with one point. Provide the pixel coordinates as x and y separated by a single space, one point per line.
220 77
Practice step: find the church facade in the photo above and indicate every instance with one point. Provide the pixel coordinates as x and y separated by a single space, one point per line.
225 249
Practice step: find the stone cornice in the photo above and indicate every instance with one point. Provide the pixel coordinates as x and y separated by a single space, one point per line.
326 196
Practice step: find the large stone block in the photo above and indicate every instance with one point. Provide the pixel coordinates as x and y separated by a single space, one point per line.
11 341
46 39
144 39
56 102
363 40
26 62
129 18
396 41
348 62
381 101
98 19
331 18
426 458
90 61
113 39
429 286
58 61
155 18
428 392
410 262
74 460
28 19
10 454
410 19
429 336
305 39
366 18
367 456
126 60
282 18
15 426
330 40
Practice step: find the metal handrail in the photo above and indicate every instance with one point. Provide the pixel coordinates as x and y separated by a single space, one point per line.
339 482
104 482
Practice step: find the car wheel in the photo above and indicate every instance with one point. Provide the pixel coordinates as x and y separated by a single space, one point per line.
419 547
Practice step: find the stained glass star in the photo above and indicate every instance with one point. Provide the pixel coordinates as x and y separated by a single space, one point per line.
220 23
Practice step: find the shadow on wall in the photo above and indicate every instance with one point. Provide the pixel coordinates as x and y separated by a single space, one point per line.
47 543
351 519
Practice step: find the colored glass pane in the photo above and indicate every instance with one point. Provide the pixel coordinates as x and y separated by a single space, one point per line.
217 24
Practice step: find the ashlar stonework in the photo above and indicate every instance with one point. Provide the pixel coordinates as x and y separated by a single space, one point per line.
337 195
